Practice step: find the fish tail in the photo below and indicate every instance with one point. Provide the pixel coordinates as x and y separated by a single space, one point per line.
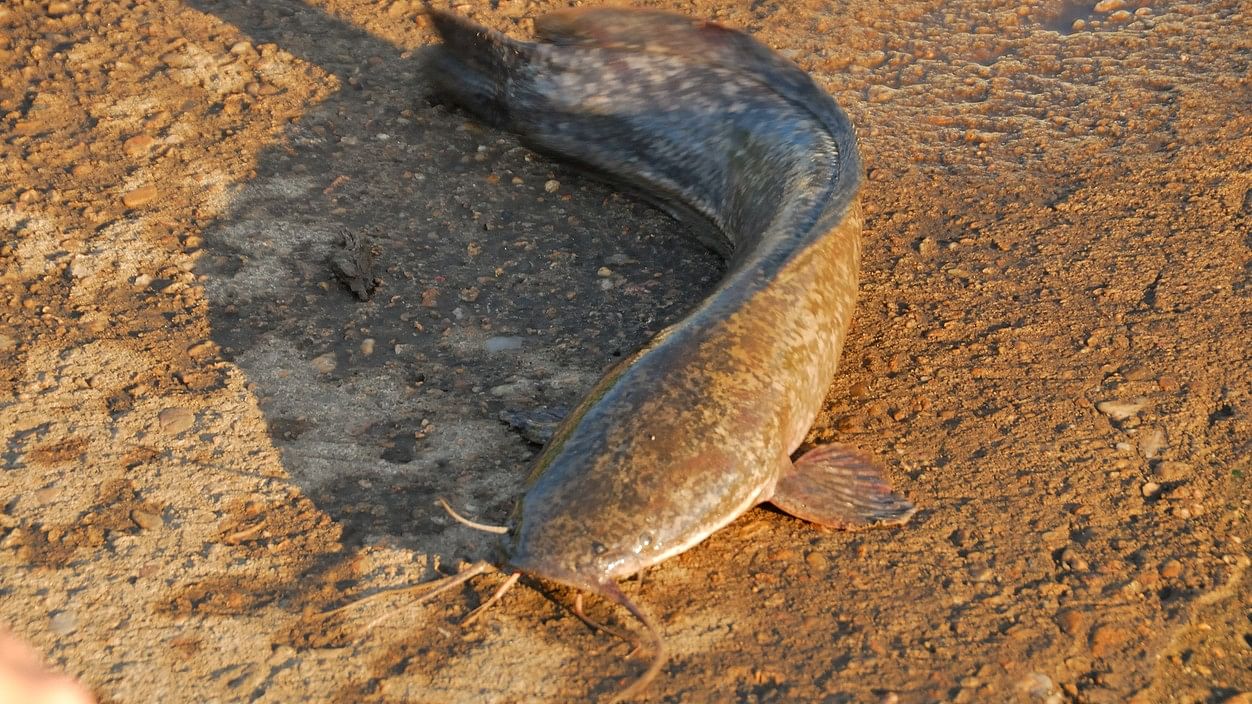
472 67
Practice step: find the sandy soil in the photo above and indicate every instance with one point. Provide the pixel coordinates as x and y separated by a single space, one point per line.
208 440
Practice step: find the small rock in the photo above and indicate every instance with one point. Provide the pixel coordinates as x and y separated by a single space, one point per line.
1036 684
1120 16
817 561
175 419
881 93
367 346
1171 569
59 9
7 343
1171 471
927 247
146 519
1106 638
522 388
982 574
850 424
430 298
469 295
82 266
1071 622
325 363
1150 489
140 196
201 348
552 185
502 344
1151 442
1120 410
138 145
1109 5
1074 561
143 280
604 272
63 623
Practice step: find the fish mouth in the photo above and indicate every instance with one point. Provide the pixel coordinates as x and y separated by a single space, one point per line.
589 577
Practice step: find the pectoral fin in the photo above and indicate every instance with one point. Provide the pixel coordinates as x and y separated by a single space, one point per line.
835 485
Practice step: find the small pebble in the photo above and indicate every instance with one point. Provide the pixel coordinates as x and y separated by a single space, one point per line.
1109 5
1106 638
1036 684
502 344
1171 471
1171 569
604 272
138 145
1072 622
552 186
1120 410
63 623
817 561
140 196
58 8
1151 442
1150 489
175 419
367 346
1074 561
850 424
325 363
146 519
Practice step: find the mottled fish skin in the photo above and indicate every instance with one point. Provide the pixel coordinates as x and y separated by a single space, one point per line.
694 429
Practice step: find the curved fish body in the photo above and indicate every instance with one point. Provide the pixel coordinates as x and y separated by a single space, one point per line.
698 426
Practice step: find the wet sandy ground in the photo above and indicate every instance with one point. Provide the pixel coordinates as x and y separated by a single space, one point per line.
207 440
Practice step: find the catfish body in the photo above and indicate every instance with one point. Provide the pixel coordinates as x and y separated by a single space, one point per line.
698 426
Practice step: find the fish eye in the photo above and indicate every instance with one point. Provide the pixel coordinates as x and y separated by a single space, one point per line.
598 548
